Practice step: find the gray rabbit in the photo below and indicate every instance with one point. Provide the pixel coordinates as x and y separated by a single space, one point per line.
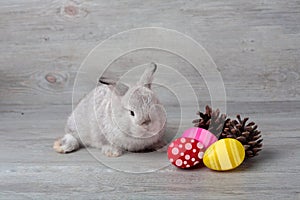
116 118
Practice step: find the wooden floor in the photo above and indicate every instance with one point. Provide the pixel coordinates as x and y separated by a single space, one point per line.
255 45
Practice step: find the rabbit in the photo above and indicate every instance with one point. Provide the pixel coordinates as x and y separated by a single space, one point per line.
116 118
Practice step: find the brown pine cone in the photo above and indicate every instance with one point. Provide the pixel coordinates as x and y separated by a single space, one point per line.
211 120
248 135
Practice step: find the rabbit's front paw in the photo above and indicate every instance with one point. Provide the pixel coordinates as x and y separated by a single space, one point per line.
57 146
111 151
66 144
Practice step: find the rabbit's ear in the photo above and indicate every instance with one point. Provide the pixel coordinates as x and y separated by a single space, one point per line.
107 80
118 88
147 77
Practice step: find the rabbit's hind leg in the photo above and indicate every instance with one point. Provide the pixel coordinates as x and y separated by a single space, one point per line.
66 144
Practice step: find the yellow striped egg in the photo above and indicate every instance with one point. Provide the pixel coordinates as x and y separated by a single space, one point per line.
225 154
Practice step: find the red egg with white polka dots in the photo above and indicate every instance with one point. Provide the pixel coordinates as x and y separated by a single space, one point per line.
185 152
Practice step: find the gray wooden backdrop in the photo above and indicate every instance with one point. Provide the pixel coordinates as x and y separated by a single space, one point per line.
255 45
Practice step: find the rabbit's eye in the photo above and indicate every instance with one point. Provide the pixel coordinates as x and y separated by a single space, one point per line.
132 113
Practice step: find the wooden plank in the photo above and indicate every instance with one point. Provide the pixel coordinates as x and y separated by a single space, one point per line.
254 44
31 169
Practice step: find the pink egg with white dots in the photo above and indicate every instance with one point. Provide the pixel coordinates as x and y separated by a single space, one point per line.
185 152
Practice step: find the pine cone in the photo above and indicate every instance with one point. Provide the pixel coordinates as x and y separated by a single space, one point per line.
211 120
248 135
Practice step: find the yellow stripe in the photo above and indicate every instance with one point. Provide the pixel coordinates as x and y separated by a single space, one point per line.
216 160
241 151
230 145
223 156
210 159
237 149
209 162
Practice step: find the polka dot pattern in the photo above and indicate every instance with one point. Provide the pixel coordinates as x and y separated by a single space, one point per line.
185 152
187 157
175 151
200 155
188 146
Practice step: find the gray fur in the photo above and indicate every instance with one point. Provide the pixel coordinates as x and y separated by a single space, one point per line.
103 119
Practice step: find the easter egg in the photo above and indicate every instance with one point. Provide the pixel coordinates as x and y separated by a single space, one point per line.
202 135
225 154
185 152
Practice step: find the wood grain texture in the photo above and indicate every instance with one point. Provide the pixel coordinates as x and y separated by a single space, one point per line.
255 45
31 169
